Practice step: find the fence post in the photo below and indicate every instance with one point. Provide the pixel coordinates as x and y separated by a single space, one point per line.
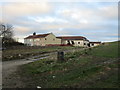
60 56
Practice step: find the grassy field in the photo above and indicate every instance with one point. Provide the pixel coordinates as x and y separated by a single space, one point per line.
92 68
24 51
109 50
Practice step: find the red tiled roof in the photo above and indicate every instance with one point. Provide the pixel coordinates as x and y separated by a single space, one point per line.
72 37
37 36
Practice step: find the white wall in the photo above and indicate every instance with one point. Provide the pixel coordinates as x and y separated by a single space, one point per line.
95 44
76 42
28 42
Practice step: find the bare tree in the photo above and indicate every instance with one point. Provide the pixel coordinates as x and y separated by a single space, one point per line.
6 33
6 30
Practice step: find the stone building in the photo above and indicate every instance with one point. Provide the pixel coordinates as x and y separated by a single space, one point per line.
41 39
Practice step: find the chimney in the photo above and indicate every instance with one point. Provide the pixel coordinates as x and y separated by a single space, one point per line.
34 33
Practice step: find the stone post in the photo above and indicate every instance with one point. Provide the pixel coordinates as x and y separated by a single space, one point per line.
60 56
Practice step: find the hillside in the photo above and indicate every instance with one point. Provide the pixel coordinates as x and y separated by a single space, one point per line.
92 68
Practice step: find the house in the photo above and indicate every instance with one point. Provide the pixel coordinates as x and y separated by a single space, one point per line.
50 39
41 39
74 40
92 44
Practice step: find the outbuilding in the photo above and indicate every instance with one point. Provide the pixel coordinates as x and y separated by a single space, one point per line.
74 40
92 44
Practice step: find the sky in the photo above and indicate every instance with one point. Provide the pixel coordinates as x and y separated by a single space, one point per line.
97 21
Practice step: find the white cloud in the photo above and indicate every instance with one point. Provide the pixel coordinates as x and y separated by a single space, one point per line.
68 25
79 14
84 21
21 29
108 12
21 9
60 0
48 19
59 32
0 13
89 15
102 36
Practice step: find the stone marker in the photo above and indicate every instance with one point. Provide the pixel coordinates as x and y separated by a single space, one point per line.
60 56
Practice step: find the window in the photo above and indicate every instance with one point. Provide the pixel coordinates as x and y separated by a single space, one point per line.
53 39
78 42
92 44
84 43
45 38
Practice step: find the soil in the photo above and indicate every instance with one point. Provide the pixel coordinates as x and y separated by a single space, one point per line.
10 79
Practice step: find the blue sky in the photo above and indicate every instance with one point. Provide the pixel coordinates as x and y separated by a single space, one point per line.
97 21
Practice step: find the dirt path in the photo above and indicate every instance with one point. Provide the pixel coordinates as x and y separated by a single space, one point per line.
10 79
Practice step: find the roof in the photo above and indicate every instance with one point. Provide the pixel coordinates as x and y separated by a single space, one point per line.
96 42
37 36
72 37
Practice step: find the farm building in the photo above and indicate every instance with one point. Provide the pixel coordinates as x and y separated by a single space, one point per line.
41 39
92 44
74 40
50 39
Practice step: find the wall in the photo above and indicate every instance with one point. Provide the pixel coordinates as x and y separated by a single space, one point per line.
95 44
51 39
86 43
76 42
28 42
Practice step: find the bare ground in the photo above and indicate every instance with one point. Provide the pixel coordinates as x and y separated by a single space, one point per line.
10 79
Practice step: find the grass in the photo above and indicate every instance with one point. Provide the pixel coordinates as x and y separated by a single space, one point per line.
110 50
110 82
81 69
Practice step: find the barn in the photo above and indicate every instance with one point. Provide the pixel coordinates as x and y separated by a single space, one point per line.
74 40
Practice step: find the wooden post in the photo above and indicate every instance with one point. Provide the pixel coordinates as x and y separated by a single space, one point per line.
60 56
